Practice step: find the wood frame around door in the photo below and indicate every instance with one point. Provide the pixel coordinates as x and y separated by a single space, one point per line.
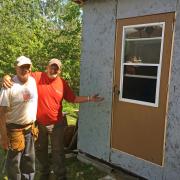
138 129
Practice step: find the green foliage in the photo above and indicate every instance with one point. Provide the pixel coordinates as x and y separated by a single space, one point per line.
70 108
41 30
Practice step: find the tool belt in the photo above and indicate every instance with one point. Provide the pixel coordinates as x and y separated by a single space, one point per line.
16 134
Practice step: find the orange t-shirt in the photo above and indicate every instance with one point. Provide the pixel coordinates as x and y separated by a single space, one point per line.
51 92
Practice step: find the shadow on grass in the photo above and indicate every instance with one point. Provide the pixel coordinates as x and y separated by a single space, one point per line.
81 171
76 170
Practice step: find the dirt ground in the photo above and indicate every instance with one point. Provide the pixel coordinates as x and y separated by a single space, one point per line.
110 172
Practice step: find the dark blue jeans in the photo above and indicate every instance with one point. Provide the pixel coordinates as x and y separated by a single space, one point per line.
55 164
21 165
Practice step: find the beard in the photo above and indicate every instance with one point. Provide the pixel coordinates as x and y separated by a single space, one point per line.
23 79
52 76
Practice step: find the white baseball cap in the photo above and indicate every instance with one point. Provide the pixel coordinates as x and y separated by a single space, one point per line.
23 60
55 61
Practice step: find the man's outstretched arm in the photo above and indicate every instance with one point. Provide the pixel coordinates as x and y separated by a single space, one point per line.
94 98
7 81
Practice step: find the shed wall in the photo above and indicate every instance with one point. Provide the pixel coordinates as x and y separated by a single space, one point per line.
97 77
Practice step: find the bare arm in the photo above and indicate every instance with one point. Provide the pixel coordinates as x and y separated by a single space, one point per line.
94 98
3 131
7 81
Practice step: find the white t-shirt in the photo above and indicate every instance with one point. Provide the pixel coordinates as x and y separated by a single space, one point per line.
21 101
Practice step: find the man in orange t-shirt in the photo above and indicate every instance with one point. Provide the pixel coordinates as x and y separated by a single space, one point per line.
52 89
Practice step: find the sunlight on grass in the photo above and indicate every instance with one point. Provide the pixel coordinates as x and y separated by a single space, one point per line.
71 120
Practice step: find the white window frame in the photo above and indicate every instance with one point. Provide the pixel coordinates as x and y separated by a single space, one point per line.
141 64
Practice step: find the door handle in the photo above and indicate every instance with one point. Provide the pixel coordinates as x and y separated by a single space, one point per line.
116 90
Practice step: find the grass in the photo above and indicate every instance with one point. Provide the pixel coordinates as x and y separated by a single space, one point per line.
76 170
80 171
2 155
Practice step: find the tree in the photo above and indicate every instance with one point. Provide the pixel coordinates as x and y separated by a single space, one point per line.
41 30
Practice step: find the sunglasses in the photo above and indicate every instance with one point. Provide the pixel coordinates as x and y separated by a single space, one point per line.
54 67
25 67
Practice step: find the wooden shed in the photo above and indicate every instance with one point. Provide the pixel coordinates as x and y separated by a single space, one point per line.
131 57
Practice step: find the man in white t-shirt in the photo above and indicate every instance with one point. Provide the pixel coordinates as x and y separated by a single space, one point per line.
18 107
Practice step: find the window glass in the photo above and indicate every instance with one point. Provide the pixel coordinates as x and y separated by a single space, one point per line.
141 62
140 89
149 71
140 42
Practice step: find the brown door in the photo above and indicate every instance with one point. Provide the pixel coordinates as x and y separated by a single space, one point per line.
142 66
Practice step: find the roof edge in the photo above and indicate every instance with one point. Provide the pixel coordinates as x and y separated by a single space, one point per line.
80 2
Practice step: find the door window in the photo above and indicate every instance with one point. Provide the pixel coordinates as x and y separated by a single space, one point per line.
141 58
